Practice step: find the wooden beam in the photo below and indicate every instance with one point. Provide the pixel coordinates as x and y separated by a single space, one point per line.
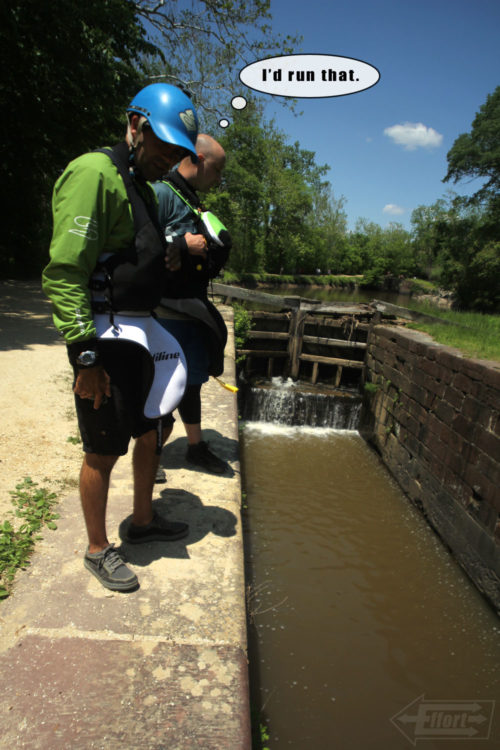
334 323
277 335
333 361
291 303
387 308
264 315
262 352
296 331
334 342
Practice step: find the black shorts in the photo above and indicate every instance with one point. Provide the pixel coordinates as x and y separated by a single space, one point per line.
107 431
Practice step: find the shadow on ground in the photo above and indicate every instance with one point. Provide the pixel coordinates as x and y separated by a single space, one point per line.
179 505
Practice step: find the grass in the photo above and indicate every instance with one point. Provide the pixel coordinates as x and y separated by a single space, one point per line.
33 505
474 334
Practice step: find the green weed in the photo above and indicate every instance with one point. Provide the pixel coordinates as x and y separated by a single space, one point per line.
33 505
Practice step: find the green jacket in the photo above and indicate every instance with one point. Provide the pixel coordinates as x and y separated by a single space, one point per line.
92 216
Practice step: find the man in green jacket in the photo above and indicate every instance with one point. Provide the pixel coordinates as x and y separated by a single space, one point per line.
95 224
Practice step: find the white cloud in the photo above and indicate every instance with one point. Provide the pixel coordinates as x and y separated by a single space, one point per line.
413 135
394 210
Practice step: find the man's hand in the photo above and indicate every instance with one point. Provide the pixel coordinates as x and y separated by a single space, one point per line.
197 244
93 383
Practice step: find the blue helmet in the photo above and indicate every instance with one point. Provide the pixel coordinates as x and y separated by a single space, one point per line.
170 112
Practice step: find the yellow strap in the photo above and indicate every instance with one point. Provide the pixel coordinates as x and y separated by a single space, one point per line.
228 387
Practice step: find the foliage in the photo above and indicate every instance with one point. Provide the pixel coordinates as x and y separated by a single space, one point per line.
67 70
477 154
34 505
275 200
242 325
457 239
203 45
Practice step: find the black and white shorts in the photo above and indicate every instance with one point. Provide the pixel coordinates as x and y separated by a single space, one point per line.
107 431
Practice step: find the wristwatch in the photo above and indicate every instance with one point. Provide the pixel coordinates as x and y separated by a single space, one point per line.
88 358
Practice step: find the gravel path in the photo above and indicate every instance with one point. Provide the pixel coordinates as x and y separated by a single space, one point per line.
36 400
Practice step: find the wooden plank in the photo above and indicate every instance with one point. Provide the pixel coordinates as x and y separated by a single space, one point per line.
338 376
290 302
334 342
314 377
263 315
388 308
295 342
250 295
337 309
277 335
332 361
262 352
270 363
335 323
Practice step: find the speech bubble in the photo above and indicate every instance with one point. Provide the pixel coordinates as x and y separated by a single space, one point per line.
309 76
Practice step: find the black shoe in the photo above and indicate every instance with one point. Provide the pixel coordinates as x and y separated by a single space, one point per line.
109 568
158 530
202 456
160 477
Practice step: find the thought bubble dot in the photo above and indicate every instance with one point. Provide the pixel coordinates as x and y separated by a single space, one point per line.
238 102
223 123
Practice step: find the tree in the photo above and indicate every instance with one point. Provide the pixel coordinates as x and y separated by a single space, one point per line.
477 154
241 199
67 70
203 46
471 260
269 196
427 237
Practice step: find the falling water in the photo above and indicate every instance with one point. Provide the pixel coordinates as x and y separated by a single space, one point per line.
298 404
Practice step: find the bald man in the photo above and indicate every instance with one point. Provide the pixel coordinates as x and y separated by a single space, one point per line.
185 310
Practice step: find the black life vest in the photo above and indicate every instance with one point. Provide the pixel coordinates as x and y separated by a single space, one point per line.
133 278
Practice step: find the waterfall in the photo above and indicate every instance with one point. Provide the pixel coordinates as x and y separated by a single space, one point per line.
291 403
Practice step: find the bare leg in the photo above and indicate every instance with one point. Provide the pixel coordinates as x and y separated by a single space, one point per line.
94 485
193 432
145 463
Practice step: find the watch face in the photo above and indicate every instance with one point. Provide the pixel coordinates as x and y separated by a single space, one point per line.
86 359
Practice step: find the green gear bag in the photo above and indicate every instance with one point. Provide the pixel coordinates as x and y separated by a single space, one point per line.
212 225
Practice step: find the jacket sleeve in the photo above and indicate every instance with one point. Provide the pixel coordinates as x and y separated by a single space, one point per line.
174 218
82 222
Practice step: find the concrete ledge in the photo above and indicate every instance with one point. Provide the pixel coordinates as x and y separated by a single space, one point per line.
162 667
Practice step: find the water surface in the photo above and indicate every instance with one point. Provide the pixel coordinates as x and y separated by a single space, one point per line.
357 607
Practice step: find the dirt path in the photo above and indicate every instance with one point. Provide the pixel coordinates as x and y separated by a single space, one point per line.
36 402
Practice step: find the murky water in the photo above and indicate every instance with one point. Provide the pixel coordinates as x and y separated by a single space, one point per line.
358 610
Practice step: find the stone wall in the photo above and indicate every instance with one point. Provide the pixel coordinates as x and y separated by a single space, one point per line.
434 417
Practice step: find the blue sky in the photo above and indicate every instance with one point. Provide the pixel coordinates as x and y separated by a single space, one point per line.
438 61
